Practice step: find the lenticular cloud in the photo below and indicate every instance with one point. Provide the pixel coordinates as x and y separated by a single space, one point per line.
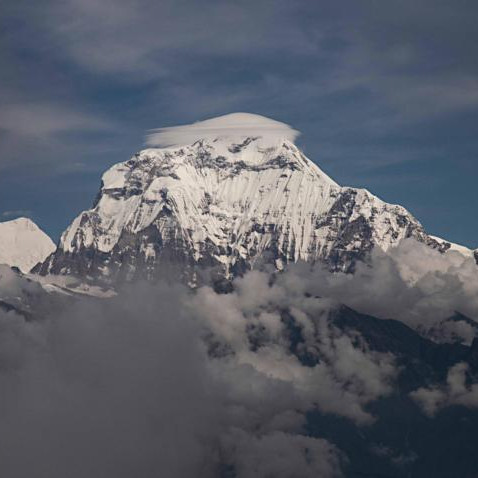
234 125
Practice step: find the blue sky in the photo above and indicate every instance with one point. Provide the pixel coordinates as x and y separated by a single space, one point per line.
384 93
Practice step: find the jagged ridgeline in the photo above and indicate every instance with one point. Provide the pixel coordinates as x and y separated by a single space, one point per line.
227 194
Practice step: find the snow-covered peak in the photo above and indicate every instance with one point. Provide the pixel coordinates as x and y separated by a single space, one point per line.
225 203
23 244
238 126
221 157
226 194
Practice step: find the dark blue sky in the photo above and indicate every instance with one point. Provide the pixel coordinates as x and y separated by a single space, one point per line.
385 93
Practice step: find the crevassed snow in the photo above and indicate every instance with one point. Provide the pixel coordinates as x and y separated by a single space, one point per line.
23 244
220 191
258 190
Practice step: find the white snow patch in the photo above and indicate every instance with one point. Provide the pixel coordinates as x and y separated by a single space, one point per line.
23 244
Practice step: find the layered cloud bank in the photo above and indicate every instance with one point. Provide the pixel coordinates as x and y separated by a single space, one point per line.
235 125
326 371
165 381
412 283
127 387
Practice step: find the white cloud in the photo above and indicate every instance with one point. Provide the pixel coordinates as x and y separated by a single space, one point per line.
130 373
411 282
124 388
234 125
121 388
345 378
456 391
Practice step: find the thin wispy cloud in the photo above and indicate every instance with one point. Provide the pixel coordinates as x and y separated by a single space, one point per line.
234 125
16 213
42 120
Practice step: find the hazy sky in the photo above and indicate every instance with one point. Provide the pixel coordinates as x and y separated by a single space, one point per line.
385 93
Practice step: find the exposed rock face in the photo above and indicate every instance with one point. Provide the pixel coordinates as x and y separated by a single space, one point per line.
228 205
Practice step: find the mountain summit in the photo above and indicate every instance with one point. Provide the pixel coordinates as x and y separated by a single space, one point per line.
23 244
238 194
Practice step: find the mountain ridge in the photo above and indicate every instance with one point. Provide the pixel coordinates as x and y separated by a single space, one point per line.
226 205
239 195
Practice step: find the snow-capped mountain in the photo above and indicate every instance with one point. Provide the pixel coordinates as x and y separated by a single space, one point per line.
239 194
23 244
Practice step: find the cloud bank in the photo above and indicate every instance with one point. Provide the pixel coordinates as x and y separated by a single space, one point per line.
234 125
412 283
163 381
126 387
251 332
104 391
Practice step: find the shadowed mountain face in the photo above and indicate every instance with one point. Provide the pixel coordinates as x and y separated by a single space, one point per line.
403 442
228 204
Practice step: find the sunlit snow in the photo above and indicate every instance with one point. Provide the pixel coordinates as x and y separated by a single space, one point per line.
23 244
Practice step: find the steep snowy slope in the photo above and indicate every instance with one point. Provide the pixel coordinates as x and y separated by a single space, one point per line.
230 200
23 244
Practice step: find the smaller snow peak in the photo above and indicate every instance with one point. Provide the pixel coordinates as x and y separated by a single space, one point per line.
235 126
18 220
23 244
21 223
